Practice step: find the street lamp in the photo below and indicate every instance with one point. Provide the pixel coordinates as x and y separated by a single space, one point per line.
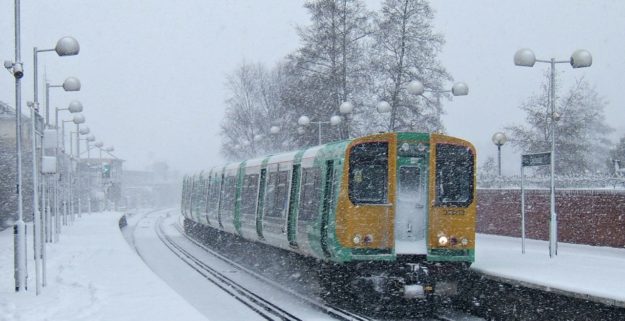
579 59
66 46
499 139
19 240
417 88
305 121
70 84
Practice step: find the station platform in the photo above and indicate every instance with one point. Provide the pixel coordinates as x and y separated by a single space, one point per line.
587 272
92 274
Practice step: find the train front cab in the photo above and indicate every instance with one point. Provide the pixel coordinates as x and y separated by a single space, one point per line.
408 201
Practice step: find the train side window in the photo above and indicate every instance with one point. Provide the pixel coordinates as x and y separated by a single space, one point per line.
270 194
229 191
248 195
368 173
281 194
311 193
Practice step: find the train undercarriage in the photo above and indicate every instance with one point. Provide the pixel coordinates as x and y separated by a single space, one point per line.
408 280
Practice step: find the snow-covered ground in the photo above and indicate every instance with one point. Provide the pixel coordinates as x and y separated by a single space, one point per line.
578 270
93 274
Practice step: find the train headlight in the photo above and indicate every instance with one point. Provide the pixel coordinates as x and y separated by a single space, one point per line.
464 241
368 239
443 240
357 239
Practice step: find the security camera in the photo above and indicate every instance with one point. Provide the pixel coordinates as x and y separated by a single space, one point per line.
18 71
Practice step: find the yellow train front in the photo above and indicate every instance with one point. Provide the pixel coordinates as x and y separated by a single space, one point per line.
388 213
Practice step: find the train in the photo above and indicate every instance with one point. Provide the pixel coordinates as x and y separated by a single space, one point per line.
390 212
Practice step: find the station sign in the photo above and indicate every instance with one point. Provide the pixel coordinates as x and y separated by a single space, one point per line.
537 159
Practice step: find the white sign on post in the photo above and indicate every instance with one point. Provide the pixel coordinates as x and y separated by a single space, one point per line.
49 138
48 165
529 160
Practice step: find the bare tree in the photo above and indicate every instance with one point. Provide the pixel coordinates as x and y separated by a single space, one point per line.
581 131
406 49
254 106
331 60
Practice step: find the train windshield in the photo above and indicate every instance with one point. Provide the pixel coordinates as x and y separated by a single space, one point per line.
368 173
454 175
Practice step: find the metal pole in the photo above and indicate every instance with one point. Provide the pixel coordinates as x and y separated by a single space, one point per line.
19 230
553 226
37 241
319 123
499 158
71 187
47 103
101 182
78 182
522 211
57 221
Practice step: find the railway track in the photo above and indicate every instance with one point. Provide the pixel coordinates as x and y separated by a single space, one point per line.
255 301
266 309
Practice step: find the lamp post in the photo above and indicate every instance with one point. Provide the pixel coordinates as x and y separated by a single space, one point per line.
78 119
73 107
19 246
89 138
305 121
499 139
70 84
66 46
69 204
108 150
579 59
416 87
99 145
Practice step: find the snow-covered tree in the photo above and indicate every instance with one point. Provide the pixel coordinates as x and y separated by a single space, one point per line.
330 64
581 131
406 49
254 106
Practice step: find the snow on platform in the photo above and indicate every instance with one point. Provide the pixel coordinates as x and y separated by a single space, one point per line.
92 274
582 271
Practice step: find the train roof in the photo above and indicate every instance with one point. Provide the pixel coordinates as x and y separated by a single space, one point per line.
308 154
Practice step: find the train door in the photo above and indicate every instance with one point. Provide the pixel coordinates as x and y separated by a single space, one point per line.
411 209
328 200
220 202
293 205
261 202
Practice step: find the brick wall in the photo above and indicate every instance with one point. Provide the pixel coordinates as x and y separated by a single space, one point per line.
594 217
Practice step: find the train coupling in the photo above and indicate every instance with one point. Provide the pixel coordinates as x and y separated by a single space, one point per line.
420 284
416 291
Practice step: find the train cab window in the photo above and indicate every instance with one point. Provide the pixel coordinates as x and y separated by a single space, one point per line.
368 173
311 193
454 175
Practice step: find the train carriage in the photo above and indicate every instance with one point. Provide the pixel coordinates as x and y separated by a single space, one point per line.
398 199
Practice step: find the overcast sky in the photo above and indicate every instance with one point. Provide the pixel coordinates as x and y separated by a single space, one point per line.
153 72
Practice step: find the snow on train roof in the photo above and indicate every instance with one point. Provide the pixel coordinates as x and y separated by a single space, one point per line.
279 158
255 161
309 156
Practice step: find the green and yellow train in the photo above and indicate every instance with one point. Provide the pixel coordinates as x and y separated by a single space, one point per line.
401 206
